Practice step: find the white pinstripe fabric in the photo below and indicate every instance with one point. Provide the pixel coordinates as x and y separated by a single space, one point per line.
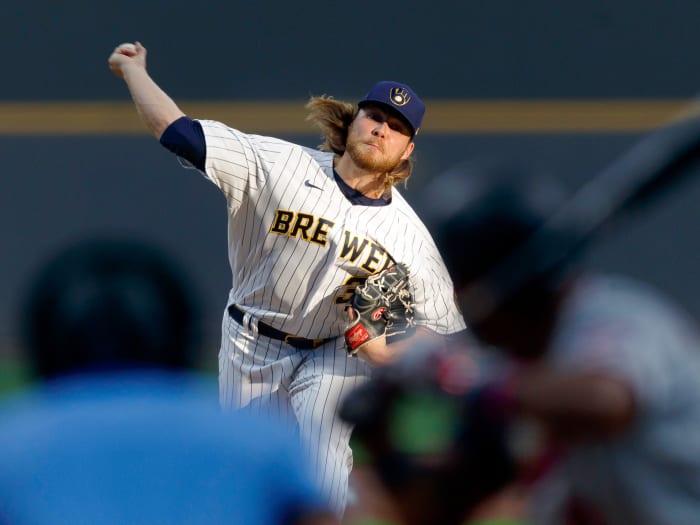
305 387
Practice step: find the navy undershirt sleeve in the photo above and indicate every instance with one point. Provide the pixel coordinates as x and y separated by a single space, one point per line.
185 138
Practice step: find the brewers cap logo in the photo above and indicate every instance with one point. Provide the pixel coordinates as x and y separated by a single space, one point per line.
399 96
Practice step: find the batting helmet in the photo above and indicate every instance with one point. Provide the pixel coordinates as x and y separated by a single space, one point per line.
496 236
108 304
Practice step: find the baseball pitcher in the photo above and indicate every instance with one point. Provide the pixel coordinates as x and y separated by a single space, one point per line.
332 271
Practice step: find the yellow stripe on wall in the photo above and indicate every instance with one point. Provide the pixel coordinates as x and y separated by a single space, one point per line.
288 117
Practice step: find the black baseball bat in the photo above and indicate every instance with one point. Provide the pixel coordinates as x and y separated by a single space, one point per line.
654 165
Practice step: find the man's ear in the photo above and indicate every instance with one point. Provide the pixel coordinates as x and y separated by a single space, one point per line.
408 151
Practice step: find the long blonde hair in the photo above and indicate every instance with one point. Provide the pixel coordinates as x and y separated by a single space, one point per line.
334 117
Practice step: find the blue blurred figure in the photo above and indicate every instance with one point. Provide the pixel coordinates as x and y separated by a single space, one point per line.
119 427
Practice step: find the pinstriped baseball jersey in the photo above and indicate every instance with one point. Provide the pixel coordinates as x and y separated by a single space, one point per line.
297 248
296 243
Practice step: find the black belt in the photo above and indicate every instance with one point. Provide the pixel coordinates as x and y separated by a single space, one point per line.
268 331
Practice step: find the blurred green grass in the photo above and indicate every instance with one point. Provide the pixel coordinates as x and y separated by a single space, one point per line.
14 374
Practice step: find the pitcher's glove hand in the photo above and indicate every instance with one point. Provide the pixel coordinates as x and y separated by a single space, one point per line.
381 306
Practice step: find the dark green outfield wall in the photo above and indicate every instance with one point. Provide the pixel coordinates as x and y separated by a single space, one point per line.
287 49
58 189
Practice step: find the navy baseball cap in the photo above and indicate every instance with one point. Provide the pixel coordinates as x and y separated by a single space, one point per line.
400 98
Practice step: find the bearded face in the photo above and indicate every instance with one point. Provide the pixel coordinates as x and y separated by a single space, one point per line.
371 157
377 141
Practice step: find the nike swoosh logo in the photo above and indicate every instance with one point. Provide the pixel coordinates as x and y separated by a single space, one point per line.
310 184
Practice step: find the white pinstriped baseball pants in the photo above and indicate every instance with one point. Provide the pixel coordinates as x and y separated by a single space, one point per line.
304 386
